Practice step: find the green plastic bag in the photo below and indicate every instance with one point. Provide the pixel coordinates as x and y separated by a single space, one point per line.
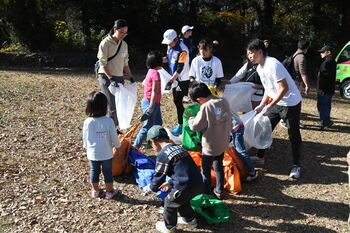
191 140
210 208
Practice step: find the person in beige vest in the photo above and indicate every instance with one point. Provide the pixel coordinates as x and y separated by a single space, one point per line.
112 71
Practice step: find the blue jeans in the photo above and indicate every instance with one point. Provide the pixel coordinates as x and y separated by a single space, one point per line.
238 143
95 170
324 108
216 161
155 119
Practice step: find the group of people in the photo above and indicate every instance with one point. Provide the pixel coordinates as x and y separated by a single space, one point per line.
277 96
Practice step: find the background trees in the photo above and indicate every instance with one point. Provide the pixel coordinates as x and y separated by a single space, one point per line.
68 25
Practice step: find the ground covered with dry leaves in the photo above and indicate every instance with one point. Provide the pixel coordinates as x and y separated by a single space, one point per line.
44 171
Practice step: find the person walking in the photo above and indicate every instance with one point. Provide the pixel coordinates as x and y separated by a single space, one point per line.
326 86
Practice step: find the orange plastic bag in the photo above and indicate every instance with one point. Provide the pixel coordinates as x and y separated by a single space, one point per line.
234 170
120 164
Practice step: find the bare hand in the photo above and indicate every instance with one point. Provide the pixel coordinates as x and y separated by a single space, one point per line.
165 186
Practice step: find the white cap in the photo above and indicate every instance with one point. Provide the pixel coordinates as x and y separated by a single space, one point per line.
169 36
186 28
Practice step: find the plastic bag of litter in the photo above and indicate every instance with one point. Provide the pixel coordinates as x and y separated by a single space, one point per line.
125 102
257 130
239 95
175 139
164 79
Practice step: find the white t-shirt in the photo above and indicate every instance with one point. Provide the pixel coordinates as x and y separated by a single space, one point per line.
273 71
206 71
99 136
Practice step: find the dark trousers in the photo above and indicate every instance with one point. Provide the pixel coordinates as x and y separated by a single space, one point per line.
104 82
290 115
216 162
178 94
324 107
180 201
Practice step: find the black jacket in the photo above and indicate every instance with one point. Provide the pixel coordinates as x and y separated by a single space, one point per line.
326 76
175 162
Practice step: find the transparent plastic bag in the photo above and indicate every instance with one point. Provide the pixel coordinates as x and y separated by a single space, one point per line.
164 79
257 130
125 102
175 139
239 95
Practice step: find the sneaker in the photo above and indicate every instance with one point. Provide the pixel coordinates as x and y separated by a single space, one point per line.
283 124
257 160
161 210
160 226
295 172
191 224
177 130
186 99
252 177
218 195
95 193
323 127
110 195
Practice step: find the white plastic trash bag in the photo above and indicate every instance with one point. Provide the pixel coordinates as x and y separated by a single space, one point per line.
125 102
239 95
164 79
257 130
175 139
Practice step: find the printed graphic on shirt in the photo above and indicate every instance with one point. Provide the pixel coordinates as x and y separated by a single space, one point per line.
101 134
206 72
217 112
175 152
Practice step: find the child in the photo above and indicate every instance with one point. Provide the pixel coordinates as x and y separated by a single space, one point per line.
99 136
206 68
185 180
215 122
150 104
238 142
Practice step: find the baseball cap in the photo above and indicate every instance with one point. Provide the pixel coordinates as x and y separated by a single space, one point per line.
186 28
169 36
325 48
156 131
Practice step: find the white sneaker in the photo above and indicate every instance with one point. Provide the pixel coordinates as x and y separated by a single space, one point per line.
192 224
160 226
295 172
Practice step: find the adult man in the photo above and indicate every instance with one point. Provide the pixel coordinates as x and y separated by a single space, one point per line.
325 86
301 78
286 99
185 180
178 61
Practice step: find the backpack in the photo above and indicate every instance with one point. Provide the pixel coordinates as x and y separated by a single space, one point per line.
97 64
288 63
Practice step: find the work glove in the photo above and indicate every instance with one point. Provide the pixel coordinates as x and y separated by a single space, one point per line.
132 80
259 108
266 109
168 86
147 114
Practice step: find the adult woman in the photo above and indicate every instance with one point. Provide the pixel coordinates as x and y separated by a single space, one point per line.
113 58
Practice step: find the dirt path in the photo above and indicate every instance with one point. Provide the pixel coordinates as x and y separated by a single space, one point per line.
44 171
